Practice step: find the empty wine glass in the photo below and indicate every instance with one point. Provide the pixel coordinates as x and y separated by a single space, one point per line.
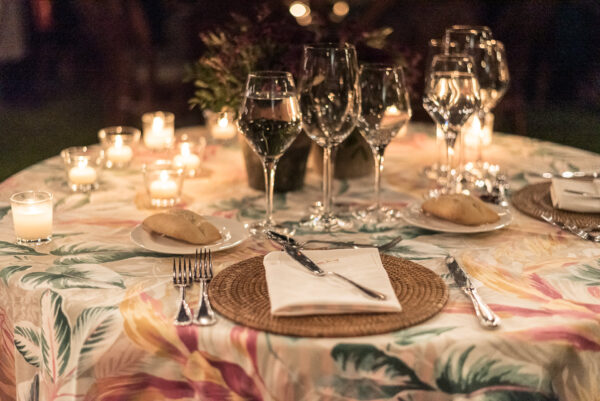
270 120
385 110
330 102
502 74
451 96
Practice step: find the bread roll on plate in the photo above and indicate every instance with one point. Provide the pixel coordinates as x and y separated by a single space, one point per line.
183 225
460 209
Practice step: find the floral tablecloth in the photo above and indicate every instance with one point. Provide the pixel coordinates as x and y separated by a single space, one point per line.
88 316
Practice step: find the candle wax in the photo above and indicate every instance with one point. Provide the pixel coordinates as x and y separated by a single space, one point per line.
33 222
119 154
82 175
165 189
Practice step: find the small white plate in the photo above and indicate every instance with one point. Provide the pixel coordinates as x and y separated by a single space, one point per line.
232 232
414 215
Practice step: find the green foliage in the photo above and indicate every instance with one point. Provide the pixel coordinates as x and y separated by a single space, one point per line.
85 253
10 249
8 271
79 276
416 334
590 275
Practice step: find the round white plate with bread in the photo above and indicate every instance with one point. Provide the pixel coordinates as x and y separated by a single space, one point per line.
232 233
414 215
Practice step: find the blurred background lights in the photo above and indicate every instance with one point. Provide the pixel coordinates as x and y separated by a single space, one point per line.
341 8
299 10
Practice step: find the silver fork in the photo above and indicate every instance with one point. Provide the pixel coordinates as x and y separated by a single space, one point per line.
572 228
203 273
182 277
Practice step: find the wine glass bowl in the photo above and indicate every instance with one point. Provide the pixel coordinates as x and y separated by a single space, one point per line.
269 119
330 103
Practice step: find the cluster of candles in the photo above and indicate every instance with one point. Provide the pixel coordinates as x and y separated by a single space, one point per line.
163 179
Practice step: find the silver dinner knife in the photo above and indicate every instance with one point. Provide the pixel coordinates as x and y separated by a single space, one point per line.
487 317
305 261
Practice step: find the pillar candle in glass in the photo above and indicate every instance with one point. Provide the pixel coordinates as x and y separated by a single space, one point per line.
163 181
83 165
159 130
221 125
32 216
118 143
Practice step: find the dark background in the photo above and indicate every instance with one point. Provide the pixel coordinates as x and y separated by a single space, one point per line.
86 64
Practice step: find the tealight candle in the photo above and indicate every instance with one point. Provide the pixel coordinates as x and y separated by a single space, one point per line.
186 159
164 187
82 174
223 129
159 129
32 216
119 153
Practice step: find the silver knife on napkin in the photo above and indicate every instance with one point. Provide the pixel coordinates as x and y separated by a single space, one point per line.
305 261
486 316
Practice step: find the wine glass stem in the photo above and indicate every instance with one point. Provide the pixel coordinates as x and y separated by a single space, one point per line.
269 167
378 154
482 115
450 136
328 166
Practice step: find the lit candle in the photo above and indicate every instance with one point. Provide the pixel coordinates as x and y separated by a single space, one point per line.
159 134
33 222
186 159
164 187
119 153
82 174
223 129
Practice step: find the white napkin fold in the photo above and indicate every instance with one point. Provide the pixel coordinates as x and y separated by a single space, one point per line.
295 291
573 202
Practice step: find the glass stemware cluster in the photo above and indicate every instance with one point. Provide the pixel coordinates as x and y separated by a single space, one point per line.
328 107
466 77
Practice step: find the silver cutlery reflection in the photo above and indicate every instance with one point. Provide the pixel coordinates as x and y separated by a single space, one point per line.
203 273
487 317
281 239
582 193
182 278
582 233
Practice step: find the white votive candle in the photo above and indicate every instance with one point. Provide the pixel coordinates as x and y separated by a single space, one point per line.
223 129
82 175
164 187
32 216
119 153
159 134
186 158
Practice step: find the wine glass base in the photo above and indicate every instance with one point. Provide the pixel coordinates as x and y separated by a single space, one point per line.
374 215
326 223
258 229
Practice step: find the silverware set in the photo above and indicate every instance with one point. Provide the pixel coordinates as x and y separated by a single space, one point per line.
185 273
585 233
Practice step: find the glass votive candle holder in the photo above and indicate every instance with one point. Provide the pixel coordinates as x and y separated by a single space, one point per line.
221 125
32 216
190 151
159 130
118 143
163 181
83 165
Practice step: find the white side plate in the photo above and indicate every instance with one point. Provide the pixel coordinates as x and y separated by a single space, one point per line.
232 232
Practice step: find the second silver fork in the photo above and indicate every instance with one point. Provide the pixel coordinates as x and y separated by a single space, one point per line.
203 273
182 278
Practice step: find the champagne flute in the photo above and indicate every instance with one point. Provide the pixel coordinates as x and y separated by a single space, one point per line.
385 111
270 120
451 96
330 102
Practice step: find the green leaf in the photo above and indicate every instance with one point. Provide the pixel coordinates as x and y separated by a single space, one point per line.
56 336
10 249
3 211
461 374
88 253
387 377
415 334
27 342
96 329
79 276
588 274
8 271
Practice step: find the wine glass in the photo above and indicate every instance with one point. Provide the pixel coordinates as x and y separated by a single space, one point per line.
385 110
270 120
330 102
451 96
476 42
502 74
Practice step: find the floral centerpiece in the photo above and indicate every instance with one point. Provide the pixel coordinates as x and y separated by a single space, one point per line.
268 41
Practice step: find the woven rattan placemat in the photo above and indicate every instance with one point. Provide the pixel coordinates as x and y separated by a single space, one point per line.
534 200
240 293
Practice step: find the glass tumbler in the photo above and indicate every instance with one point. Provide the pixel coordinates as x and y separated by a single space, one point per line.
83 165
163 181
118 143
32 216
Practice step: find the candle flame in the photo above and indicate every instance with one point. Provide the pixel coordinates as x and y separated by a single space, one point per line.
82 163
164 176
185 149
118 141
392 110
223 121
158 124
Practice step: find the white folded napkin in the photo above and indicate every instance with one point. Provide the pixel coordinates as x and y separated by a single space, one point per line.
561 199
294 290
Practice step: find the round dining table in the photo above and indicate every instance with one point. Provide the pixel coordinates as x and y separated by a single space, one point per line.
89 316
